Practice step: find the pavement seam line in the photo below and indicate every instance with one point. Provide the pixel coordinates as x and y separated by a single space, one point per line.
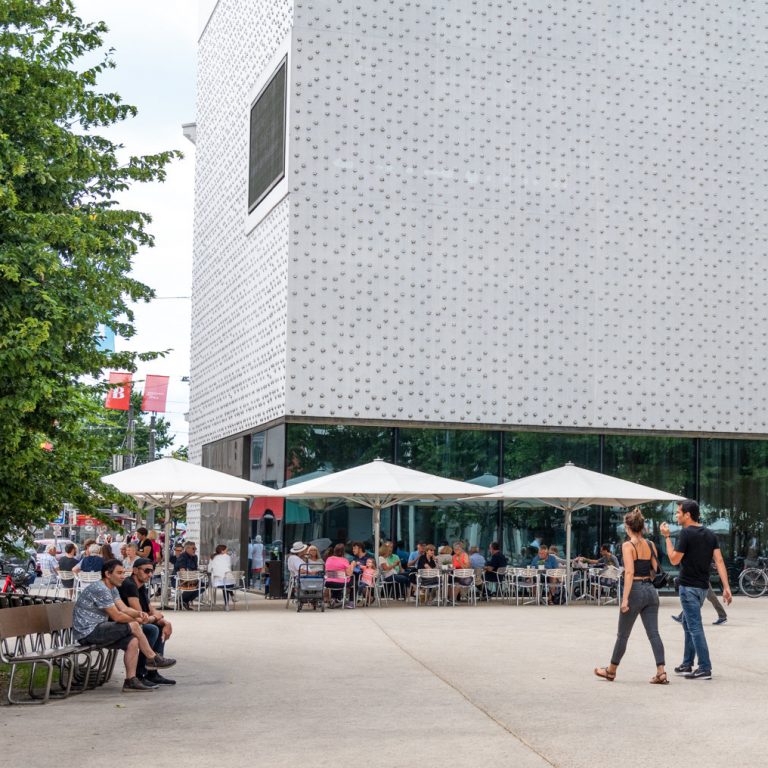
462 693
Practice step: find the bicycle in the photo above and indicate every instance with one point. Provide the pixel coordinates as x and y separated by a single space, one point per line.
16 579
753 582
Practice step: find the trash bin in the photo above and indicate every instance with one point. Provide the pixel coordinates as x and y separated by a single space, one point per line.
274 587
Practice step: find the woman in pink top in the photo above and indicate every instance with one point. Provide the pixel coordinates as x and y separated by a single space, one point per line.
338 571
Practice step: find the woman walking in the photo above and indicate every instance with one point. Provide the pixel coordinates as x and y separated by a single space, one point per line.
640 598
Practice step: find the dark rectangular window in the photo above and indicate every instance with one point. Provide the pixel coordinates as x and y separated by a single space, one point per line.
266 164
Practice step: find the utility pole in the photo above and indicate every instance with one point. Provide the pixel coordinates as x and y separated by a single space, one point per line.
129 458
152 423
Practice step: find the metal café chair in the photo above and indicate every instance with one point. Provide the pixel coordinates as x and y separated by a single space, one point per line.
428 580
527 582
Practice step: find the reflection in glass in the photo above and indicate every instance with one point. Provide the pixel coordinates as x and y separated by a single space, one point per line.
734 496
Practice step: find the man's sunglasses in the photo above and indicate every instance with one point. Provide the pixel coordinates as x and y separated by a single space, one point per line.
146 570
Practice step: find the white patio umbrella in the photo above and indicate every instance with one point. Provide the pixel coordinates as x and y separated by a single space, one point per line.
570 488
170 483
379 485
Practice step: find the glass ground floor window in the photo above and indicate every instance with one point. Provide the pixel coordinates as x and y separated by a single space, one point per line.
728 477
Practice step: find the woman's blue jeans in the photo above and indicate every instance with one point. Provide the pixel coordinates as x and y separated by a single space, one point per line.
692 598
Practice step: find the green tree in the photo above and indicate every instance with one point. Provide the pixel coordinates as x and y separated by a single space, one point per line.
66 249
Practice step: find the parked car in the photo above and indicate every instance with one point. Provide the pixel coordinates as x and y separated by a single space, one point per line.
41 545
26 560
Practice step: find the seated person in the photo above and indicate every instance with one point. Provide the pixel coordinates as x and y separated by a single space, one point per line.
494 564
367 580
476 560
296 557
544 558
102 618
426 561
92 562
338 576
555 552
134 592
390 566
606 558
445 555
186 561
414 556
314 562
460 561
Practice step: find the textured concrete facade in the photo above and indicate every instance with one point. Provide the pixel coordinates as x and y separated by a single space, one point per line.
502 213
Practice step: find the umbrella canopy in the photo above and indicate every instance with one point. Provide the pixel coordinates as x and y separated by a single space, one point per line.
379 485
170 483
570 488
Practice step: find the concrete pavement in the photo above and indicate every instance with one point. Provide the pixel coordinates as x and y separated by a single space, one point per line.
486 685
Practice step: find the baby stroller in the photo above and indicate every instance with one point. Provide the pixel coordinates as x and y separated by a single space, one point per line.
310 582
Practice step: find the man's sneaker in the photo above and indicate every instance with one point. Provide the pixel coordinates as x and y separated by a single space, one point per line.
134 684
678 618
683 669
157 679
148 682
160 662
721 620
699 674
349 605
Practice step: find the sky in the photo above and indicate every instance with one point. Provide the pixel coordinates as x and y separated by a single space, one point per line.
155 51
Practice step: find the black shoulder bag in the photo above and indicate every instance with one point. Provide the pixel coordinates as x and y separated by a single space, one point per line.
660 578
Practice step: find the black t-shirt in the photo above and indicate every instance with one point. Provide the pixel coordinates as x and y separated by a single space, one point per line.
697 545
67 563
146 543
424 562
497 561
129 588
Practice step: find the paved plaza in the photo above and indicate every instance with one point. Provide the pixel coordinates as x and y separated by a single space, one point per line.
494 685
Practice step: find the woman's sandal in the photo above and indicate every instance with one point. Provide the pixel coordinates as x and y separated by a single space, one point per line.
660 678
605 674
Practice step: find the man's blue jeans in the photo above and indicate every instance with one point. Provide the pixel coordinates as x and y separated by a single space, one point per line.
156 643
692 598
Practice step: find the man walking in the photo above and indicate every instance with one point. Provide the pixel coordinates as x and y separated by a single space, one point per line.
694 551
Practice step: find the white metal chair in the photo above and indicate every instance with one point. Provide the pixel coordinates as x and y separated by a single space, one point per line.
527 582
335 578
463 579
498 583
291 589
240 586
84 578
187 582
428 580
62 577
609 585
48 580
554 586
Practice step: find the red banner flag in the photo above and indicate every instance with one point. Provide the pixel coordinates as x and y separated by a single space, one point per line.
119 396
155 394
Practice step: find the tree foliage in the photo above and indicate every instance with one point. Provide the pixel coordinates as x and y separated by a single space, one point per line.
66 249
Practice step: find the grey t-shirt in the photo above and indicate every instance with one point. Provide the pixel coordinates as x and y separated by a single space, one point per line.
90 608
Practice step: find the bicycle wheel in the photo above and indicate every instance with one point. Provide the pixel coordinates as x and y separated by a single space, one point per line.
753 582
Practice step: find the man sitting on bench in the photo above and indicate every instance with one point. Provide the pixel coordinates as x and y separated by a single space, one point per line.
134 592
97 604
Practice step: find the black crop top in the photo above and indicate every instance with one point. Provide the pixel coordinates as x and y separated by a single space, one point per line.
643 567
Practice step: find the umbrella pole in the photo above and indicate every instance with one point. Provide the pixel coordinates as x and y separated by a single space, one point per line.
376 534
166 559
568 552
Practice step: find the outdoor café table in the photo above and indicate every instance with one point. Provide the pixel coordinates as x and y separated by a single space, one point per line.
446 580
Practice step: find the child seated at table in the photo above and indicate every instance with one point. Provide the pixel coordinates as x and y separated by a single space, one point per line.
367 580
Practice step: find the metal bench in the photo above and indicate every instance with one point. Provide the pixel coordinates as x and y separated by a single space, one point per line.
41 636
